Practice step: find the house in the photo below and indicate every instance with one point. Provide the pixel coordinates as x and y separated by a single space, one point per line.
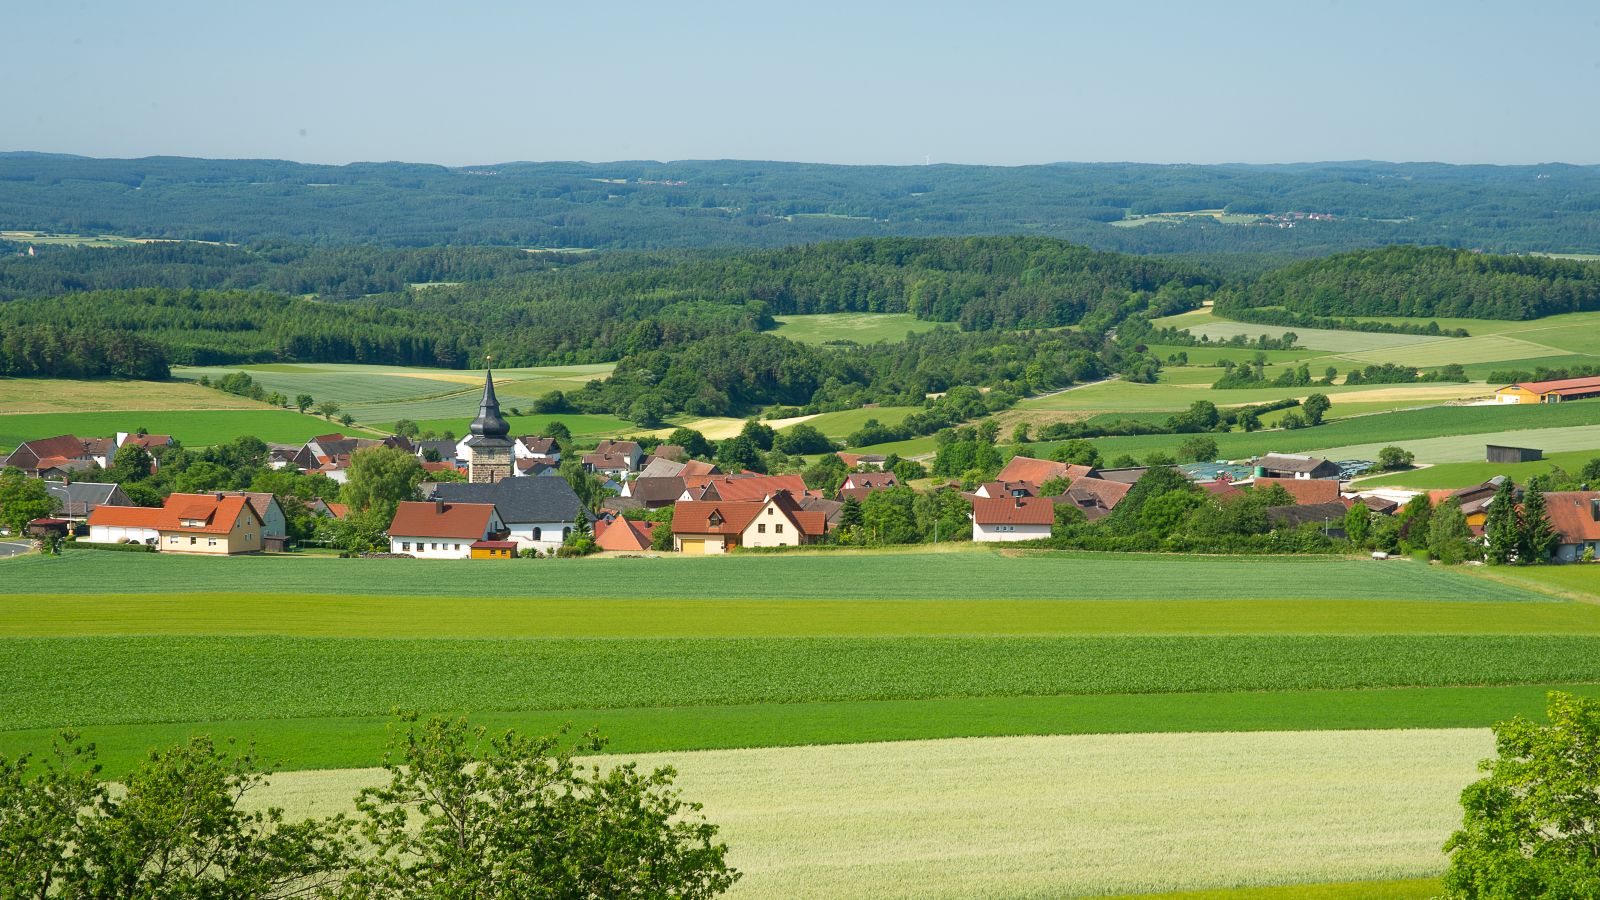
658 467
48 526
1383 506
741 487
1012 519
672 452
60 455
991 490
1555 391
536 449
281 456
1290 465
494 550
328 510
1038 471
860 484
79 498
324 449
1496 453
716 526
147 441
1575 516
1329 516
274 524
537 513
203 524
445 451
654 491
623 535
829 510
617 459
441 530
532 468
1095 497
855 461
1222 490
1474 500
1303 490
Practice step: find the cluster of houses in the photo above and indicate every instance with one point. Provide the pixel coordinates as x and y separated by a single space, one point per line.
514 501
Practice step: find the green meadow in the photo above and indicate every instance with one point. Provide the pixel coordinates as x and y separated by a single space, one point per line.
862 328
195 428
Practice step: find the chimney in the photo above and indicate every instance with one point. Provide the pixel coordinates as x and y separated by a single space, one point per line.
438 506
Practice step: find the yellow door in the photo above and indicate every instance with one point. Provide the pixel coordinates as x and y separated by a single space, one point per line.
693 546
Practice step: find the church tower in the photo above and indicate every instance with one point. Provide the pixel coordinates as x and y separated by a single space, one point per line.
489 449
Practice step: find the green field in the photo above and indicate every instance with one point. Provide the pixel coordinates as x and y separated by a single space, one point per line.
1163 684
195 428
1204 322
838 425
56 395
381 395
1462 474
862 328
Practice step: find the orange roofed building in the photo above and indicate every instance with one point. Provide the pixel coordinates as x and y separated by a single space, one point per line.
203 524
1549 391
623 535
716 526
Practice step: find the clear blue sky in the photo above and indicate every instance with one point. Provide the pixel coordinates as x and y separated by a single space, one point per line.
846 82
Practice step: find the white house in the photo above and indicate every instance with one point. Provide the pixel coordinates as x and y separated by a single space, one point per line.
537 512
440 530
1012 518
121 525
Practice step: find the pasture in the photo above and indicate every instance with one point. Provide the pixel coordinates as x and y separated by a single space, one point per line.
1058 815
862 328
195 428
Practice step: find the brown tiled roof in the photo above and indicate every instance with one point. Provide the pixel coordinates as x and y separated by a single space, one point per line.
467 521
1097 492
611 446
623 534
851 460
1561 385
539 445
1574 515
65 445
219 515
1219 489
1028 468
148 441
1304 490
745 487
656 489
695 467
607 461
713 516
1014 511
669 451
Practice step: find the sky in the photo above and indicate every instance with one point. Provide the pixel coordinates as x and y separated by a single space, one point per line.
1001 83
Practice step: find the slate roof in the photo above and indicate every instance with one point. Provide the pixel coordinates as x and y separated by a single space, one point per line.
79 498
520 500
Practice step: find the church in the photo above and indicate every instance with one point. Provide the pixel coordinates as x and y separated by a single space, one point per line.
489 450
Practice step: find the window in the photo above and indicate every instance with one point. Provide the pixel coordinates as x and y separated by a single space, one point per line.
761 528
769 510
406 546
778 528
193 541
537 532
173 539
211 542
566 531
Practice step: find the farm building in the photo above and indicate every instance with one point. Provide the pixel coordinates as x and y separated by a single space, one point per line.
1575 515
1038 471
1497 454
1012 519
440 530
494 549
1549 391
1304 490
1290 465
1328 516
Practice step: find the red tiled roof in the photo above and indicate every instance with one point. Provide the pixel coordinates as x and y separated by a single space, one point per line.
218 514
1305 491
745 487
1573 514
623 534
696 516
1560 384
695 468
870 479
1014 511
1097 492
65 445
468 521
126 516
1219 489
148 440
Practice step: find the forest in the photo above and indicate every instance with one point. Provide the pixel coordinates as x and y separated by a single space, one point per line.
731 203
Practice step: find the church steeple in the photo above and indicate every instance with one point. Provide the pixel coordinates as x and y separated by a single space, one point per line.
489 422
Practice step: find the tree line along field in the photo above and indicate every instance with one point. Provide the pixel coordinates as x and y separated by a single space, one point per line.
793 669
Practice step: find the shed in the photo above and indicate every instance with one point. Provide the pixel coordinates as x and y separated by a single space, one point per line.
1496 453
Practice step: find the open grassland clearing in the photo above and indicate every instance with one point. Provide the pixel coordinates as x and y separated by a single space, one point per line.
862 328
838 425
1443 351
195 428
60 395
85 681
386 394
1057 816
960 572
1204 322
1462 474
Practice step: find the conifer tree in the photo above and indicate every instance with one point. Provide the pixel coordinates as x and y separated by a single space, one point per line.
1503 531
1539 539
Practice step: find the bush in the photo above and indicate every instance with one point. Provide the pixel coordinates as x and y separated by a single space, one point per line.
119 548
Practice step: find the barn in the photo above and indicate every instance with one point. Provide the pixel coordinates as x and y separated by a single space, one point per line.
1495 453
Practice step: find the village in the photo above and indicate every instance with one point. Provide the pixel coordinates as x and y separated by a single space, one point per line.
504 497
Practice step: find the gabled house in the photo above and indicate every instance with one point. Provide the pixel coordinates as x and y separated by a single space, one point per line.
536 449
329 454
860 484
625 535
446 451
716 526
1095 497
202 524
994 490
147 441
78 499
1555 391
615 458
741 487
1291 465
873 461
1038 471
328 510
1575 516
274 524
537 513
441 530
1012 519
60 455
282 456
1474 500
654 491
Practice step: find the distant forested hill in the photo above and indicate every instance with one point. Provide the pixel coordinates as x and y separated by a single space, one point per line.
649 205
1420 281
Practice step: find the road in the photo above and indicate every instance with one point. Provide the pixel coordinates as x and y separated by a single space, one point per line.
12 548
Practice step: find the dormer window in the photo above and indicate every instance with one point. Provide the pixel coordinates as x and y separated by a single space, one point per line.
715 519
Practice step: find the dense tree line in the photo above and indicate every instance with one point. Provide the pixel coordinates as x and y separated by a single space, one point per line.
766 204
1423 281
49 350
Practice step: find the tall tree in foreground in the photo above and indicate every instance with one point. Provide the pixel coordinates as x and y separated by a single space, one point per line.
1501 529
467 816
1539 538
23 499
1531 829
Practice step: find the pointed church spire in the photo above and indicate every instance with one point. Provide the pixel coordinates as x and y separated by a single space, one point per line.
489 422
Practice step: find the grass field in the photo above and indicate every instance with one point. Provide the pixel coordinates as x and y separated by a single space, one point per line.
1188 385
1462 474
55 395
1470 447
1060 815
863 328
195 428
381 395
838 425
1402 889
1205 322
